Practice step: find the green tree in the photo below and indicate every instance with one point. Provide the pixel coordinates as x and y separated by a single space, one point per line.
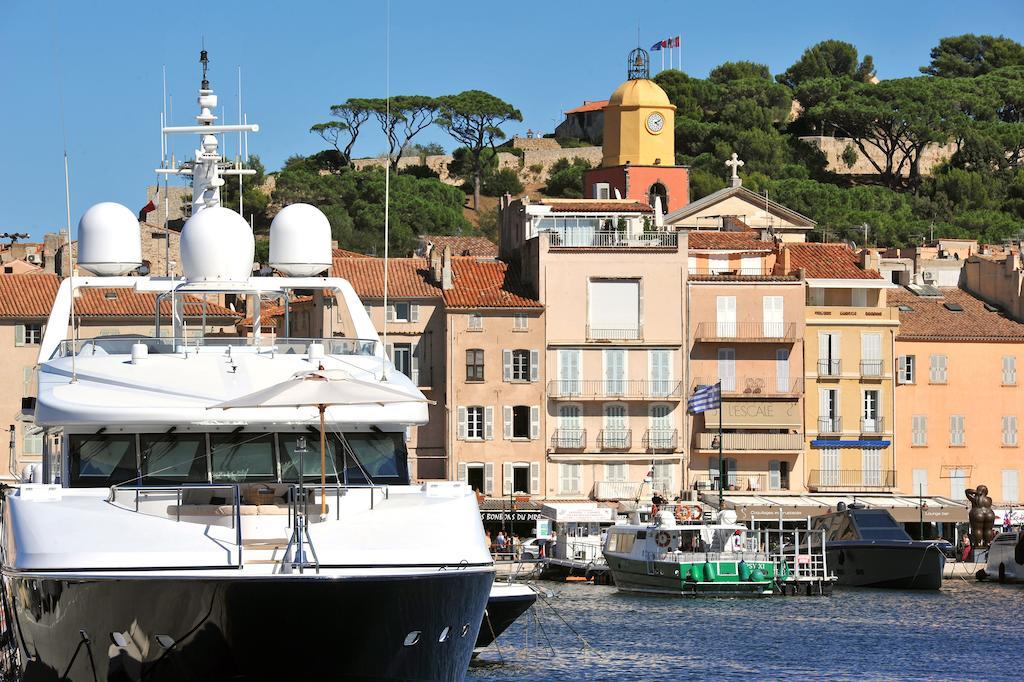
973 55
401 119
343 133
828 59
734 71
565 178
501 182
254 197
474 118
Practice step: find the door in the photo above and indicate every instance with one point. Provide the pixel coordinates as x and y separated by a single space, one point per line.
871 466
615 426
661 437
871 355
570 426
772 311
725 308
750 265
782 370
660 372
615 371
569 372
727 368
870 419
830 466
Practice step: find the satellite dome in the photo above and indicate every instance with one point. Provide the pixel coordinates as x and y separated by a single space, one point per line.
108 240
300 241
217 244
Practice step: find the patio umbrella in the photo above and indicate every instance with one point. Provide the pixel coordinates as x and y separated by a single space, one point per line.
322 389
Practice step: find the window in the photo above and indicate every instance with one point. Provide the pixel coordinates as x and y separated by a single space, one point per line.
830 466
569 478
615 371
517 478
301 461
859 297
871 355
1010 430
401 357
478 476
28 334
403 311
520 365
937 365
474 422
664 478
31 443
956 430
242 457
871 421
725 317
782 384
570 427
871 466
907 369
602 190
957 484
615 473
920 482
774 475
475 364
1011 486
815 296
102 460
569 362
829 364
727 368
615 434
772 310
660 372
919 429
475 322
614 309
521 422
175 458
520 322
1009 370
828 405
662 435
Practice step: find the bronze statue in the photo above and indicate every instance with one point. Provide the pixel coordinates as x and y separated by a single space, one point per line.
981 515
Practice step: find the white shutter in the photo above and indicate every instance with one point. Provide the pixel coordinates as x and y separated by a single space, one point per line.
535 422
534 365
919 428
660 371
727 368
488 478
1010 430
389 350
725 308
772 311
488 423
1009 370
414 364
782 370
414 312
462 472
824 404
774 475
1011 486
919 482
614 306
506 412
19 335
506 478
534 478
905 369
506 365
390 314
956 429
462 423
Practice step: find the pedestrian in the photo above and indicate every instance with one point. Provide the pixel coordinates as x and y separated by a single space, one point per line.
501 542
487 539
965 548
1007 526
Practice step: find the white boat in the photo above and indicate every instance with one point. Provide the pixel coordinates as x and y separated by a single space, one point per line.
189 541
1005 558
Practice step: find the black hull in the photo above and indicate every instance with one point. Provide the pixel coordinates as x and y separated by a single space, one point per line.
899 565
502 612
248 629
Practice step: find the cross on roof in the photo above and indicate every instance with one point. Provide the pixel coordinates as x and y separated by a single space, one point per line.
735 162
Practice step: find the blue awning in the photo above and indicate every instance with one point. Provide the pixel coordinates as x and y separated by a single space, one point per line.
850 443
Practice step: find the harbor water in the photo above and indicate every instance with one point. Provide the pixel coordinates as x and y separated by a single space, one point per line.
966 630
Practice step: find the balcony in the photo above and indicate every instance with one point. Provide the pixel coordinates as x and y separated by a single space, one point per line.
569 439
830 368
753 386
751 442
736 481
614 439
872 426
597 389
870 369
830 425
590 238
660 439
746 332
616 490
716 270
623 334
851 480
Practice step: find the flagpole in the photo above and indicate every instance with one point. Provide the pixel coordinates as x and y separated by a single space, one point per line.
662 59
721 475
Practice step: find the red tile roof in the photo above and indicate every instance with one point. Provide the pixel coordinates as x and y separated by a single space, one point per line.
343 253
828 261
930 320
486 284
599 206
464 246
746 240
31 295
596 105
407 277
271 311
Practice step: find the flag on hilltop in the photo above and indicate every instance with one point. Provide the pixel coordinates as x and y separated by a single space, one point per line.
674 42
657 45
705 398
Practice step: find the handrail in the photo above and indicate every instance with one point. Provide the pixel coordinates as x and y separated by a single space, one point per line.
163 345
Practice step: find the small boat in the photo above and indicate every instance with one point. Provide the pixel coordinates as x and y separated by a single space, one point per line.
1005 558
507 602
868 548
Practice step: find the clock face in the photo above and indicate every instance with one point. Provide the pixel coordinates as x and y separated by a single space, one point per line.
655 122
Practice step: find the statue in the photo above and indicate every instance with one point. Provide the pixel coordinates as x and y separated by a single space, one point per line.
981 515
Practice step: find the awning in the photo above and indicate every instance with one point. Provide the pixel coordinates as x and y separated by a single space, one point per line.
497 510
850 443
905 509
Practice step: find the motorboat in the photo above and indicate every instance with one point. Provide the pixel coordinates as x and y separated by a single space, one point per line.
868 548
508 601
1005 558
189 527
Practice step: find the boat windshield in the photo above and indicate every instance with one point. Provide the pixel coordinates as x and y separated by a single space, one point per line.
860 524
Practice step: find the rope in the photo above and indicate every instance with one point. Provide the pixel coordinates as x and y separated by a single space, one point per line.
494 637
586 644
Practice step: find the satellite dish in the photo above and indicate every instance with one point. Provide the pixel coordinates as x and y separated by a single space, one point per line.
217 244
108 240
300 241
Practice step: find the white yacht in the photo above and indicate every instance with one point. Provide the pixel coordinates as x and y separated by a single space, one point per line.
173 538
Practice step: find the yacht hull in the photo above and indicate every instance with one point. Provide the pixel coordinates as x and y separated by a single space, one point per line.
256 628
899 565
505 605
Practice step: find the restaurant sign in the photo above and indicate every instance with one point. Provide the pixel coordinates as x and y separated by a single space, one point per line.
517 516
756 414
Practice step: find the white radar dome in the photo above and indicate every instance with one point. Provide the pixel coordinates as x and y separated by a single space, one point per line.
108 240
217 244
300 241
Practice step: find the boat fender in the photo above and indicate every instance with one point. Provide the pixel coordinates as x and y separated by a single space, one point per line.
709 572
663 539
1002 573
784 569
1018 550
744 570
695 513
689 575
982 574
758 576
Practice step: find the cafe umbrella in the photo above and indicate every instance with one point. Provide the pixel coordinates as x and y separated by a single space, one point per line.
322 389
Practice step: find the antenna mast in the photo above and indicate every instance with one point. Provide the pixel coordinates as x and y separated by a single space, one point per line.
387 173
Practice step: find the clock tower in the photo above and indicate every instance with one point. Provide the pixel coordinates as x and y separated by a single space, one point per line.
639 143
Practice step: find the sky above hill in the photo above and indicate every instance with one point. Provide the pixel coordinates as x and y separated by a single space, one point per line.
104 61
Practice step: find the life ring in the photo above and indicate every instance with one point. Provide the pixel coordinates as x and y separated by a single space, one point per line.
663 539
695 513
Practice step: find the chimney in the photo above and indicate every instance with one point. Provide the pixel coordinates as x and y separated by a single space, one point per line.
446 269
434 256
786 266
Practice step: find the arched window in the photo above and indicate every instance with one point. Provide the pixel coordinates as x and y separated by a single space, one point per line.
658 190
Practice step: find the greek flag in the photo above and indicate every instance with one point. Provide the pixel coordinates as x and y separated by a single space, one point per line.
705 398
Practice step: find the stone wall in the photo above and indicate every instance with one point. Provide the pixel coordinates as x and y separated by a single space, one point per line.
833 148
532 143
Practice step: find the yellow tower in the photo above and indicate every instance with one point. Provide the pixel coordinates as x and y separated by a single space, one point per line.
639 121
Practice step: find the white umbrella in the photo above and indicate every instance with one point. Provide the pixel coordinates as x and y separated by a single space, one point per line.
322 389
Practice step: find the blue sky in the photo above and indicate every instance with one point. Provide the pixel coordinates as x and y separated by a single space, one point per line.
300 57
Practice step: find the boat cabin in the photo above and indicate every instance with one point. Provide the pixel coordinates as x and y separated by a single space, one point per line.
858 523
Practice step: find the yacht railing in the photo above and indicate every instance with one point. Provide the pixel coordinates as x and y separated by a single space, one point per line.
122 345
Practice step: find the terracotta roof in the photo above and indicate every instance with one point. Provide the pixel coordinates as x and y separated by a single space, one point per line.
31 295
596 105
828 261
343 253
746 240
269 312
599 207
20 267
486 284
407 277
464 246
930 320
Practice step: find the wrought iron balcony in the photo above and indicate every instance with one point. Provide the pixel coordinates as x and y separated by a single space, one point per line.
582 389
752 442
830 368
754 386
660 439
871 369
614 439
736 481
619 334
872 425
746 332
569 439
617 490
830 425
589 238
851 480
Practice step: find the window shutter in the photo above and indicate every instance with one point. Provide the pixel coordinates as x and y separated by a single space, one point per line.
1011 485
390 314
488 423
488 478
1009 369
462 470
534 365
774 477
535 422
389 349
507 414
414 364
506 365
901 370
462 423
414 312
506 478
19 335
534 478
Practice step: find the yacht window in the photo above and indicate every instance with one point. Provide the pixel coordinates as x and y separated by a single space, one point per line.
103 460
382 455
242 457
173 458
292 460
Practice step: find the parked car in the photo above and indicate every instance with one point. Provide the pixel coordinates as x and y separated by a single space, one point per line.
530 550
